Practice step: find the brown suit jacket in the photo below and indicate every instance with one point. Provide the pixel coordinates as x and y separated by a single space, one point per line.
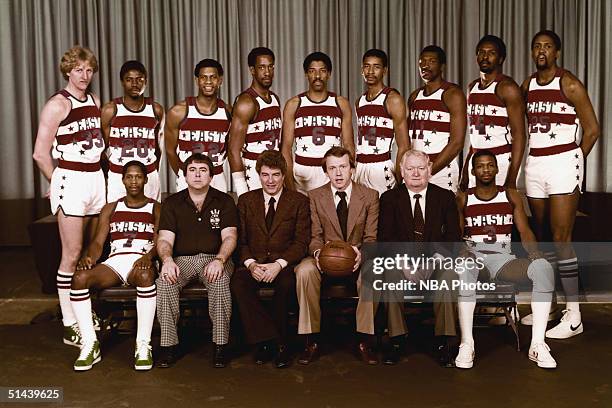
290 233
362 220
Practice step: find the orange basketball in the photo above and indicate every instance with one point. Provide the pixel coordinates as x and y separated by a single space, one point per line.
337 258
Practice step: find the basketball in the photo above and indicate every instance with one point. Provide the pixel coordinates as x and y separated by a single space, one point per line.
337 259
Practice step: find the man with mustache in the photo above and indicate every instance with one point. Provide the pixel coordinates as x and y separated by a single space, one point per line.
437 118
316 120
131 128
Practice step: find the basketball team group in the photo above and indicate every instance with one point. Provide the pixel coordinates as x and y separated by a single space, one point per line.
304 180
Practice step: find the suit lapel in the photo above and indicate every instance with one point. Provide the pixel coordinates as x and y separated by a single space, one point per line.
329 207
405 208
260 212
354 209
430 211
283 204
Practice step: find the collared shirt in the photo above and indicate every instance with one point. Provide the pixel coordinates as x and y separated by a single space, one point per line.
197 232
423 194
267 199
347 190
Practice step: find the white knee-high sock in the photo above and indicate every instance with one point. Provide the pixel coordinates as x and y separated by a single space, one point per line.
63 282
540 312
466 319
81 305
146 300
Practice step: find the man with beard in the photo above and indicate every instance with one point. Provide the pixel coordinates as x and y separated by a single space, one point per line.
256 123
131 125
200 125
437 119
557 106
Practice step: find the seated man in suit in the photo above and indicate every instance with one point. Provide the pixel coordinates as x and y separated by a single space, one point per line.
274 235
421 212
340 210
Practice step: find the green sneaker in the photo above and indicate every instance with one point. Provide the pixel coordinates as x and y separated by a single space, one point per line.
143 358
97 322
72 335
90 355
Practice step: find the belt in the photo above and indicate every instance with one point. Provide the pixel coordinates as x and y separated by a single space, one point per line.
373 158
495 150
549 151
309 161
78 166
115 168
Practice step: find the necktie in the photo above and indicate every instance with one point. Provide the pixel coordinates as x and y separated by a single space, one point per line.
419 225
342 211
270 213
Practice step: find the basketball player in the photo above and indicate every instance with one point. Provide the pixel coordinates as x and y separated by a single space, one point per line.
132 224
131 125
496 112
70 125
437 119
256 122
316 120
557 106
381 117
486 215
200 125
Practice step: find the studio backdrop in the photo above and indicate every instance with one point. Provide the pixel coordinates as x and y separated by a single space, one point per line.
171 36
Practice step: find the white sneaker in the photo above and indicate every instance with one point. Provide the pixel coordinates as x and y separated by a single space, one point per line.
143 359
570 326
90 355
465 357
528 320
540 353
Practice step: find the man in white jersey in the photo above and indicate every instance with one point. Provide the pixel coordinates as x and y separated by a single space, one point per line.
131 127
487 213
316 120
557 106
437 118
69 131
200 125
381 117
132 224
496 113
256 122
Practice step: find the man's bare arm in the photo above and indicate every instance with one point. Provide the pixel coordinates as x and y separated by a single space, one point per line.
511 95
175 115
577 94
455 100
288 138
397 109
348 139
54 111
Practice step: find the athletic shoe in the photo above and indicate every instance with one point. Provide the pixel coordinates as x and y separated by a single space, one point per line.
97 322
540 353
90 355
143 358
72 335
570 326
465 357
528 320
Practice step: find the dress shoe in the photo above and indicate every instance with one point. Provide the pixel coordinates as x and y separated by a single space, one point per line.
219 356
311 353
167 356
263 354
391 355
365 354
282 359
445 355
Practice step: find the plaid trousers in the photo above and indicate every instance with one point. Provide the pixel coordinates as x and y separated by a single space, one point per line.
219 298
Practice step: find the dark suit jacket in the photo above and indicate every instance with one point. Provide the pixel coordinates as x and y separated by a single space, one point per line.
362 216
396 223
290 233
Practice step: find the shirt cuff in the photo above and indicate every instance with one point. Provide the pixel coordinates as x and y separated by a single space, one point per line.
248 262
282 262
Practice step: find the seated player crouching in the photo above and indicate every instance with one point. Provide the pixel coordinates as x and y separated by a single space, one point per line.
132 224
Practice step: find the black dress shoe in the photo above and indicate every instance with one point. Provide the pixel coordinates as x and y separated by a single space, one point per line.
365 354
263 354
166 356
446 355
282 359
309 354
219 357
391 355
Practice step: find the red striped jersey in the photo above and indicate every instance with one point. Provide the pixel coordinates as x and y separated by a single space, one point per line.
374 123
264 130
133 136
79 138
430 121
487 115
204 133
318 126
552 117
132 229
488 223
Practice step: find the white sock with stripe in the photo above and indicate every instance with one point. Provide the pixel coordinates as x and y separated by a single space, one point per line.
466 319
568 271
146 300
81 304
63 281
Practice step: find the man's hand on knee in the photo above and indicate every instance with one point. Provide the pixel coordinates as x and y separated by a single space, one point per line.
85 263
170 271
213 270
